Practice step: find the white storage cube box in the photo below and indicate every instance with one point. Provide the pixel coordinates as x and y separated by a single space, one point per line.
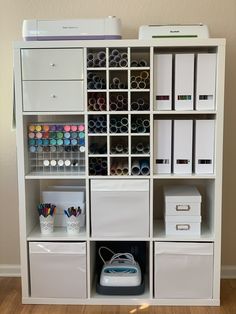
64 197
183 225
182 200
120 208
183 270
58 270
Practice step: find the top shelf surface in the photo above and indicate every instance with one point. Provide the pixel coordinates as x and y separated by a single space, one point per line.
166 42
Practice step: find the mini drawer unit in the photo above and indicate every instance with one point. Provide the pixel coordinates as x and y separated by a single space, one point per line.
120 208
52 79
52 64
183 270
58 270
182 210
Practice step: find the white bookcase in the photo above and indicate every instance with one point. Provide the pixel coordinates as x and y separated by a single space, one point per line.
50 77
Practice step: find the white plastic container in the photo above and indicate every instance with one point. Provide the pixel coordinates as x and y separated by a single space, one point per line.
57 269
120 208
183 270
182 200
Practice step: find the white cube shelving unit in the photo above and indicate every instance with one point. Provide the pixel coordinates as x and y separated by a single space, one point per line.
53 76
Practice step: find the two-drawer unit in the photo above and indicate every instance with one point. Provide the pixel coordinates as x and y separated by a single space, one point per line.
53 79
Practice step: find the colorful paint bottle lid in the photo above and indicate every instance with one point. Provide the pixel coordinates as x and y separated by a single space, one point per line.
81 127
60 149
59 142
46 149
60 163
45 142
82 149
53 149
60 135
46 163
53 134
31 135
32 142
74 142
32 149
68 148
73 135
38 128
53 128
53 141
39 142
67 135
39 149
46 135
73 128
32 128
46 128
60 127
81 142
53 162
66 142
67 128
39 135
81 135
67 163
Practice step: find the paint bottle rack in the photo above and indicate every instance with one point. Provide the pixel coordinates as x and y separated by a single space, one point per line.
56 147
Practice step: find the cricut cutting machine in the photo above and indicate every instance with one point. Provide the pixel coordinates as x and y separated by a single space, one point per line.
120 275
100 28
173 31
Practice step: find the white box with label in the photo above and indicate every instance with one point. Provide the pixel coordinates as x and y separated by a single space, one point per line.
183 270
58 269
183 225
120 208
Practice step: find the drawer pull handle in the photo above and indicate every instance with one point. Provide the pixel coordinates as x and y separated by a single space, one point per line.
183 227
183 208
53 96
52 64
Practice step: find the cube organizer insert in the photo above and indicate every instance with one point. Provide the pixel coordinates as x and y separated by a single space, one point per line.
56 147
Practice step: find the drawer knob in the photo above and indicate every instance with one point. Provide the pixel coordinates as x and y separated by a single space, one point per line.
53 96
52 64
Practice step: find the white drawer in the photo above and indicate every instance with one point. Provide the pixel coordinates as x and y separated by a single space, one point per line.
183 225
52 64
183 208
53 96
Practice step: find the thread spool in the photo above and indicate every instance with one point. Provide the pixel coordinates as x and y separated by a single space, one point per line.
142 63
135 169
144 168
138 78
134 63
133 127
90 75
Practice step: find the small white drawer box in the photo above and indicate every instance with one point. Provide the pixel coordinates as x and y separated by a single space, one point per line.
120 208
183 270
52 64
182 200
53 96
183 225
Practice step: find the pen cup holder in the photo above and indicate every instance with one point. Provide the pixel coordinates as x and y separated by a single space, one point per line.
72 224
46 224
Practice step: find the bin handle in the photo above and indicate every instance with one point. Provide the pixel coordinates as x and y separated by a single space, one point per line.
183 227
182 208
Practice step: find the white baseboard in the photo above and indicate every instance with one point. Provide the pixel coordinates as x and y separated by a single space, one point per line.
228 271
9 270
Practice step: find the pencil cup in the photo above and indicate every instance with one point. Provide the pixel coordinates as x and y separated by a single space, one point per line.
46 224
72 223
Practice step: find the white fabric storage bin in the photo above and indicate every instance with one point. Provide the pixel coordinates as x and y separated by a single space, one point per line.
183 225
64 197
120 208
182 200
183 270
57 269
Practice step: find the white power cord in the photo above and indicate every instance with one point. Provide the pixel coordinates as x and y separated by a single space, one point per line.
116 256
